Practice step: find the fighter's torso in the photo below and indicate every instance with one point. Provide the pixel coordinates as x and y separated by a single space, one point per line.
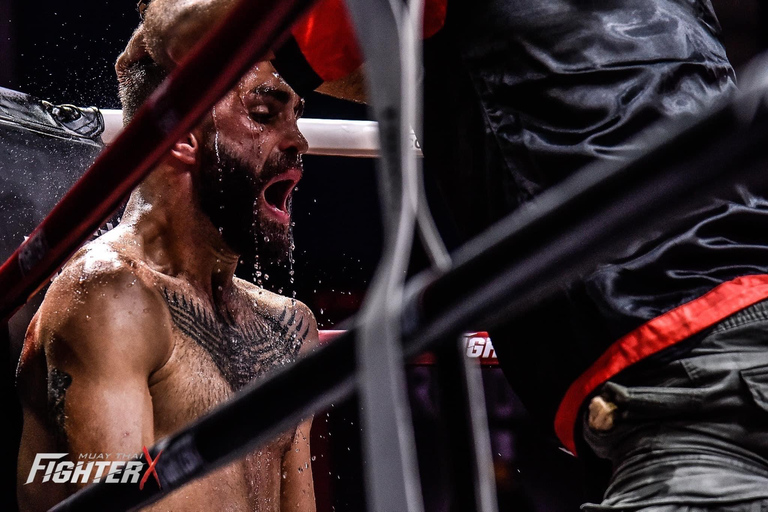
213 356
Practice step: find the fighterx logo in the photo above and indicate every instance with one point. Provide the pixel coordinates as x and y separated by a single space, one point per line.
119 468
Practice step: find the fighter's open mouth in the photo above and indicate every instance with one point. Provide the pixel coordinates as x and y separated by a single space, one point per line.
278 191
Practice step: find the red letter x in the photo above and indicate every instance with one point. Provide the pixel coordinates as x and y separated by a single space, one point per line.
151 469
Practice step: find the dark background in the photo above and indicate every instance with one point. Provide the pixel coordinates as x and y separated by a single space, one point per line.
64 52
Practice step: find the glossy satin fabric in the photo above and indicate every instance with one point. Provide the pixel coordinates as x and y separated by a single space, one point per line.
519 95
561 83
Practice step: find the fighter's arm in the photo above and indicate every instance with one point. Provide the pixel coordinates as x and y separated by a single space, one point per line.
170 29
173 27
298 492
102 335
351 87
101 352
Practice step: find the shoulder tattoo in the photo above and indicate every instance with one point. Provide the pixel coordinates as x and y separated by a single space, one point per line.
58 383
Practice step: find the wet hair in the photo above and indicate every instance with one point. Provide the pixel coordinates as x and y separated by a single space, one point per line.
136 83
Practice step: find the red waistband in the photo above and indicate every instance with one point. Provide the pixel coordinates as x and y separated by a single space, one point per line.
654 336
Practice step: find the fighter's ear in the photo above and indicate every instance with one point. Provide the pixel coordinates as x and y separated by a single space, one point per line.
187 149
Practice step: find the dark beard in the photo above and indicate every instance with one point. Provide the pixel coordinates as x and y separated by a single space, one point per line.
228 192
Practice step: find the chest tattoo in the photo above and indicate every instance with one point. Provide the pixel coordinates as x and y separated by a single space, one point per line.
241 351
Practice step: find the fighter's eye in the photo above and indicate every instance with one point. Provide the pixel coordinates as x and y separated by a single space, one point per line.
262 118
262 114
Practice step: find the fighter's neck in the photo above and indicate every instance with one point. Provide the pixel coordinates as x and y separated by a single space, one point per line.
177 239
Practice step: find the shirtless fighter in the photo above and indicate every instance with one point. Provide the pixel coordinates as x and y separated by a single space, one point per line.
147 328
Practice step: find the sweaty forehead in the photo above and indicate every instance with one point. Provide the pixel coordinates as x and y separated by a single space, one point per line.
262 75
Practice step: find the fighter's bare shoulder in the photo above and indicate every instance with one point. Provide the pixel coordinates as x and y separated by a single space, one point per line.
106 298
291 312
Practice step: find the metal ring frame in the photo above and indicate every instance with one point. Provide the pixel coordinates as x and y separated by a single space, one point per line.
512 265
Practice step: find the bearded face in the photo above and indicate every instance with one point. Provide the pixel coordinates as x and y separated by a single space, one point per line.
250 207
